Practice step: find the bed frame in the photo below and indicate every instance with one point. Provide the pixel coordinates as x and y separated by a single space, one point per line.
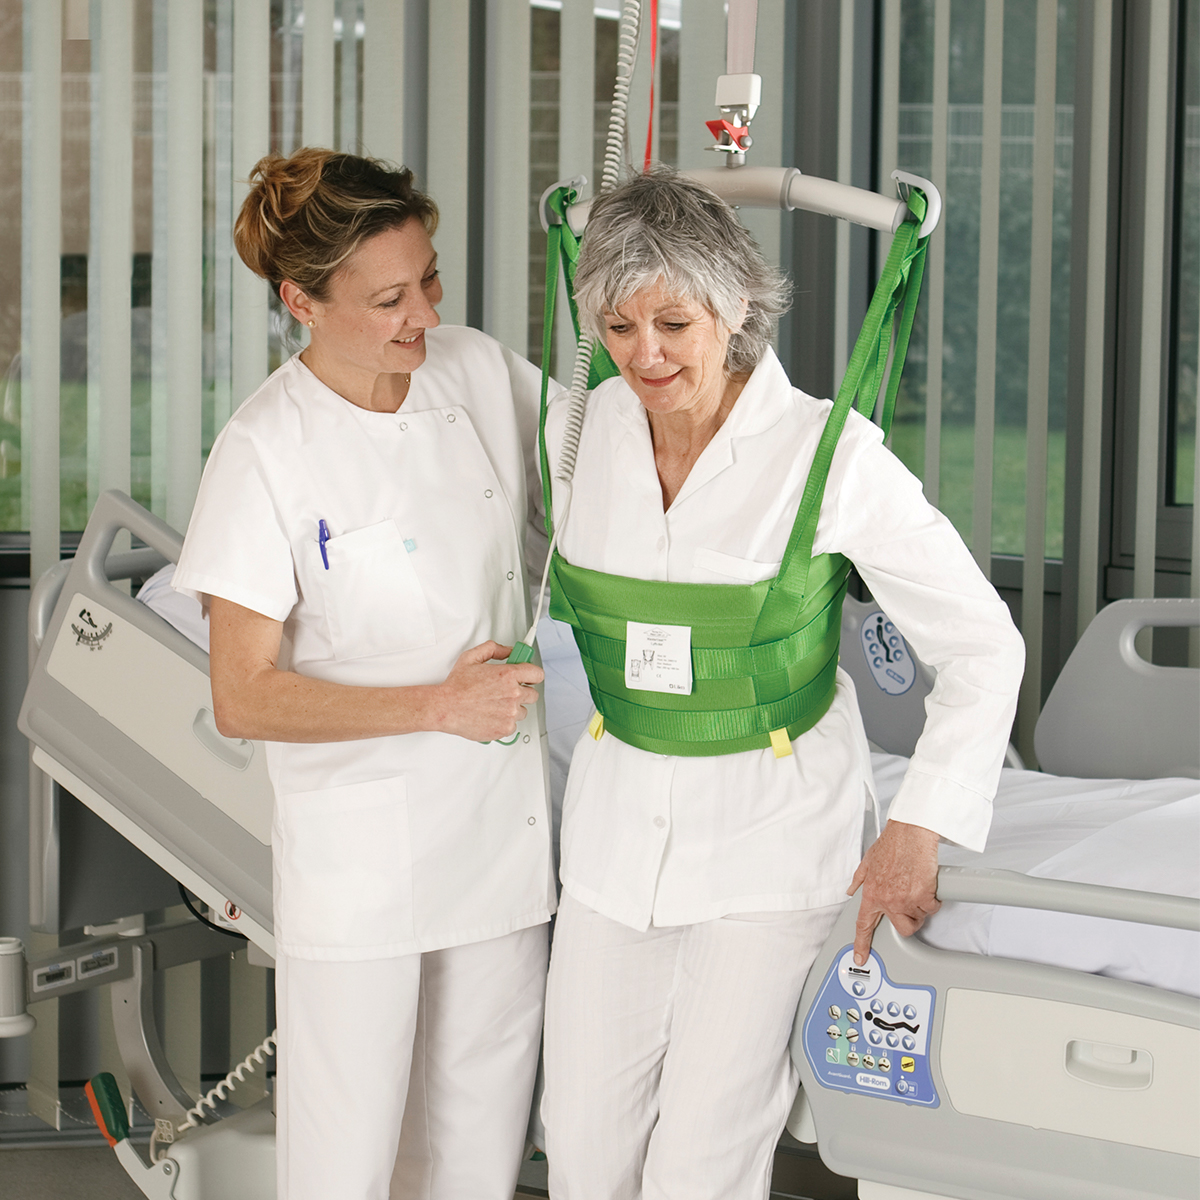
1022 1080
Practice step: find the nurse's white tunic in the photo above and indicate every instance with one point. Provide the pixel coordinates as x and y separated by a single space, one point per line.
392 845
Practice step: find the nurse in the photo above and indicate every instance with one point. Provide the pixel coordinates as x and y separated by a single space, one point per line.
359 538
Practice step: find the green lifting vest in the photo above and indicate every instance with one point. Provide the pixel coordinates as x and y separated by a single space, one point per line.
764 655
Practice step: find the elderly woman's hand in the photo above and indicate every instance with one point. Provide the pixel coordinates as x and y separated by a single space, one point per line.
898 876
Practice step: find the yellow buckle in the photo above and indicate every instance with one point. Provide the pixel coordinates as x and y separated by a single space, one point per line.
781 743
596 727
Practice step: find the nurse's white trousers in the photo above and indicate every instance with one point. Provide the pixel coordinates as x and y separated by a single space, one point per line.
410 1077
666 1052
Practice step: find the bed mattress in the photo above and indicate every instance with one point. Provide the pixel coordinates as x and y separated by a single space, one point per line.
1139 834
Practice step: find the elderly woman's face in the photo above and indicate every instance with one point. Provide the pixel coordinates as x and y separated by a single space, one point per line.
670 351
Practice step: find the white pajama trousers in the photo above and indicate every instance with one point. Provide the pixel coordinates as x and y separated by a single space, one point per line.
408 1077
666 1052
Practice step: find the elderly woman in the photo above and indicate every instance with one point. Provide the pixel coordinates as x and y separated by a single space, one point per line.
700 879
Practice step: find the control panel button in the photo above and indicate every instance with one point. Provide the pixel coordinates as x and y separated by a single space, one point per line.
908 1042
834 1011
902 1086
852 1058
834 1032
852 1035
893 1009
869 1061
908 1064
875 1037
910 1012
853 1014
877 1006
885 1064
893 1040
859 988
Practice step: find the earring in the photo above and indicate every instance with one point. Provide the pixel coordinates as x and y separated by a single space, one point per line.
312 324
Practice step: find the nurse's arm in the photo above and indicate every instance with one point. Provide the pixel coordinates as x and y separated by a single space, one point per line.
481 699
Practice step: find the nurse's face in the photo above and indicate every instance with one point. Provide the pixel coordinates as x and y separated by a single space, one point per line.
671 352
379 305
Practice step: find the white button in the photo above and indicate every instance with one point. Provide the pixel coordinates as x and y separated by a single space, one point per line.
525 738
403 424
510 574
532 820
488 493
659 823
451 418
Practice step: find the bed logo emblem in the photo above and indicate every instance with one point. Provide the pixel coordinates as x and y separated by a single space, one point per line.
93 637
892 666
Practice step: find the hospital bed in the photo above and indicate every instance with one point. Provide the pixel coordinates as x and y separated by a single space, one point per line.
119 713
1030 1041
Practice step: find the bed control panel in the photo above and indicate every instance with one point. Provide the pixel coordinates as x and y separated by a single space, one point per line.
867 1035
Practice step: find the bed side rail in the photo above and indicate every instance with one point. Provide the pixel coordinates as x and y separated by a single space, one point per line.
974 885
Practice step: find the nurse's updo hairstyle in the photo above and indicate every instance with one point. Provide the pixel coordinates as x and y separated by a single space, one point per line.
663 226
308 213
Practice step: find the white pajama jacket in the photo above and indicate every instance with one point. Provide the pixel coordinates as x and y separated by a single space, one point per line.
650 839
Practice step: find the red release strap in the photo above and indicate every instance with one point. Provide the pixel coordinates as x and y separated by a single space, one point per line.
653 63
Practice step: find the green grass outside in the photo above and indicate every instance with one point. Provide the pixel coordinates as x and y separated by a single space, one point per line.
956 497
957 492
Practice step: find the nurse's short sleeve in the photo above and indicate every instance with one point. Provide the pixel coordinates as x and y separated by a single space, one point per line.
237 545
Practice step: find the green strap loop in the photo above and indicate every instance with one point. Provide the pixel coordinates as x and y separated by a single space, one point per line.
899 287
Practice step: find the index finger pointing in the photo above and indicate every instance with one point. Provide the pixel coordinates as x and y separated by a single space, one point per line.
864 930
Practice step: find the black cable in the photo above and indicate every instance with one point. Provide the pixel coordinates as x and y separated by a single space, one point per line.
183 893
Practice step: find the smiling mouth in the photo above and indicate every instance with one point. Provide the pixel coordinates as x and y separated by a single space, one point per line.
666 379
407 341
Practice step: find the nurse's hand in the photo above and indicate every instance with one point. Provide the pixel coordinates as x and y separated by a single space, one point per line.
483 699
898 876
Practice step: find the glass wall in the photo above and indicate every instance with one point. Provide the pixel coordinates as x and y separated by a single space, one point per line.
964 123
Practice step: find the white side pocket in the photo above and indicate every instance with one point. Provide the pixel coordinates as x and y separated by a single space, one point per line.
346 866
746 570
373 598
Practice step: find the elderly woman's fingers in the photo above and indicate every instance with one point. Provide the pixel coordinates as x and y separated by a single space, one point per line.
864 931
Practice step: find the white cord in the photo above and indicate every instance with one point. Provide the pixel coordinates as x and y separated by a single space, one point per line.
627 40
256 1056
577 400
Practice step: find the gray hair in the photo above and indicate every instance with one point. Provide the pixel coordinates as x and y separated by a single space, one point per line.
662 226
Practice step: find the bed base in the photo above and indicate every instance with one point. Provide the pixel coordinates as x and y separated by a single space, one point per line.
1030 1082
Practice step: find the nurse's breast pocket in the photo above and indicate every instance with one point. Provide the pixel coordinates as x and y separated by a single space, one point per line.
374 600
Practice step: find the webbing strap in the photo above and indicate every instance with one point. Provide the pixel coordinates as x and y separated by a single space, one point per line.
899 286
705 733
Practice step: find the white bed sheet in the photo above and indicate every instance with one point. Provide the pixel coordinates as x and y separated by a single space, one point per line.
1139 834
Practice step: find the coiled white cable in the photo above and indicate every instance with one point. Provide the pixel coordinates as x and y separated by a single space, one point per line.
627 40
614 159
257 1056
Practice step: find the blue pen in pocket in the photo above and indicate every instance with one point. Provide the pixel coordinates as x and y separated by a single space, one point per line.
322 538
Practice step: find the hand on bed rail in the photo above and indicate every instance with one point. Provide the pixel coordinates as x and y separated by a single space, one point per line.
898 876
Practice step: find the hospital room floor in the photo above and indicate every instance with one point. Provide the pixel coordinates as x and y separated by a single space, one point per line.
70 1172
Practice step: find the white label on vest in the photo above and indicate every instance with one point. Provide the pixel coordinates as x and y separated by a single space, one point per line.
658 658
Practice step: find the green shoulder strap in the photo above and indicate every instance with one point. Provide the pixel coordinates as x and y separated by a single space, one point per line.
899 287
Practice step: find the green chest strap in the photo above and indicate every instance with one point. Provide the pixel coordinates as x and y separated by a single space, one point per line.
764 655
